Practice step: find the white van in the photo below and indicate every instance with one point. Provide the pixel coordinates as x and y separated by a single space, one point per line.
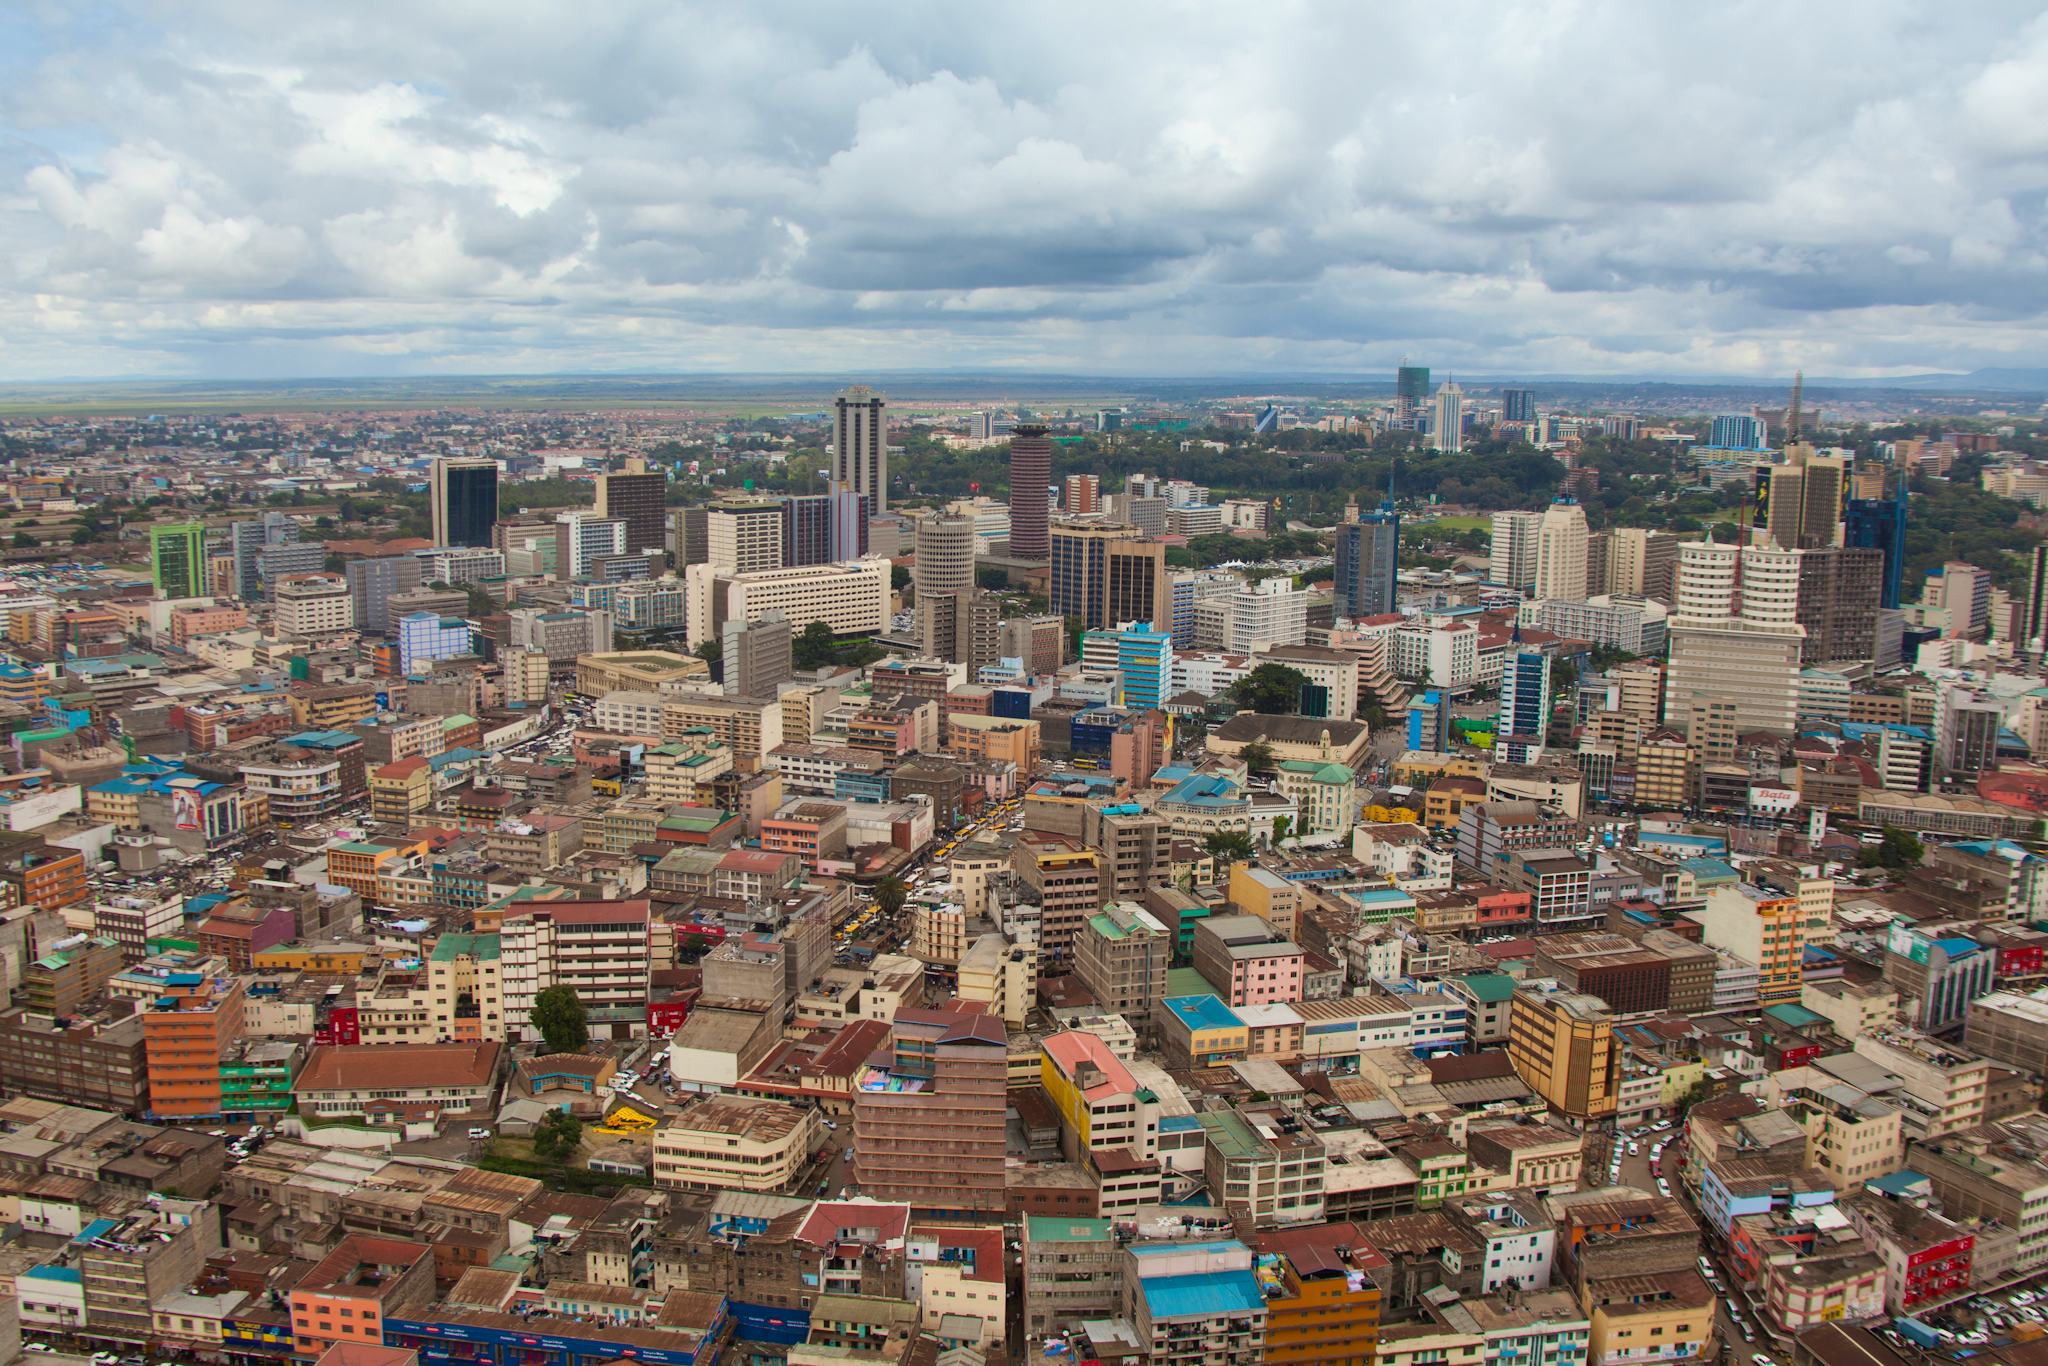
479 1133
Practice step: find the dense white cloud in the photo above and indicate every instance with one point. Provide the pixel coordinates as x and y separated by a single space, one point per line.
228 188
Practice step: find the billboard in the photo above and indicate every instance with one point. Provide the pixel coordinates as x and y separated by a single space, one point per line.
185 809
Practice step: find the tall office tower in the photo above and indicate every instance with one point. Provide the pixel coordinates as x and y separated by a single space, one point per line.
1524 718
1368 561
944 576
371 584
1083 495
807 529
1517 405
1599 563
2033 623
1030 490
635 497
744 537
1735 639
580 539
1966 726
1561 553
1838 593
1513 552
1108 574
177 559
860 446
758 657
1447 419
464 494
1880 524
689 536
1641 563
246 540
1962 593
1799 503
945 555
928 1122
1411 390
1735 432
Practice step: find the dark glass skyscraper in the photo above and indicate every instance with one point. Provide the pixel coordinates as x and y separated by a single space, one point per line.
1368 560
1518 405
465 500
635 497
1880 524
1411 390
1030 480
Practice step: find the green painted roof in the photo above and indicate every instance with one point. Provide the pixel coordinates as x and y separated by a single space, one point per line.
449 947
1490 988
1046 1228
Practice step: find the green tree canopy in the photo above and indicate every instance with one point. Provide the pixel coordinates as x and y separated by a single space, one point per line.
1257 756
563 1023
1228 846
1898 849
890 894
557 1136
1270 689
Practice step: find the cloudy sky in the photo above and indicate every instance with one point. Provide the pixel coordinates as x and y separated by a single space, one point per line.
217 189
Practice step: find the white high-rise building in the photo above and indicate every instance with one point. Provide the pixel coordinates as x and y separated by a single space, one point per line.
1735 636
744 538
1561 541
1447 418
860 446
1515 536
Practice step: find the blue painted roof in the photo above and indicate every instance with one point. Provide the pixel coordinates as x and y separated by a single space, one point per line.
1203 1294
60 1273
1204 1012
1707 868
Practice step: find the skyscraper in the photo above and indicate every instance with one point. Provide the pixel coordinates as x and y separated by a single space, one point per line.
1799 503
1561 553
371 583
1518 405
1447 421
1512 562
1880 524
581 539
1108 574
944 575
1368 562
1083 495
1735 432
247 540
177 559
744 537
1524 717
1641 563
1735 638
1030 481
2034 611
1411 390
1838 593
464 496
860 446
634 497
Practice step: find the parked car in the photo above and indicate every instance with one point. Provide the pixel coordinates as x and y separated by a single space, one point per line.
479 1133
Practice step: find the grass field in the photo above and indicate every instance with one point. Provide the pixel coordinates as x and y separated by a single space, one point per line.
1463 521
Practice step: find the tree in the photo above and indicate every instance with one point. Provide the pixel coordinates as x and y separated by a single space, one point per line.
1257 756
890 894
557 1136
481 603
1282 828
24 541
1229 846
1270 690
563 1023
899 577
712 652
815 647
1898 849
